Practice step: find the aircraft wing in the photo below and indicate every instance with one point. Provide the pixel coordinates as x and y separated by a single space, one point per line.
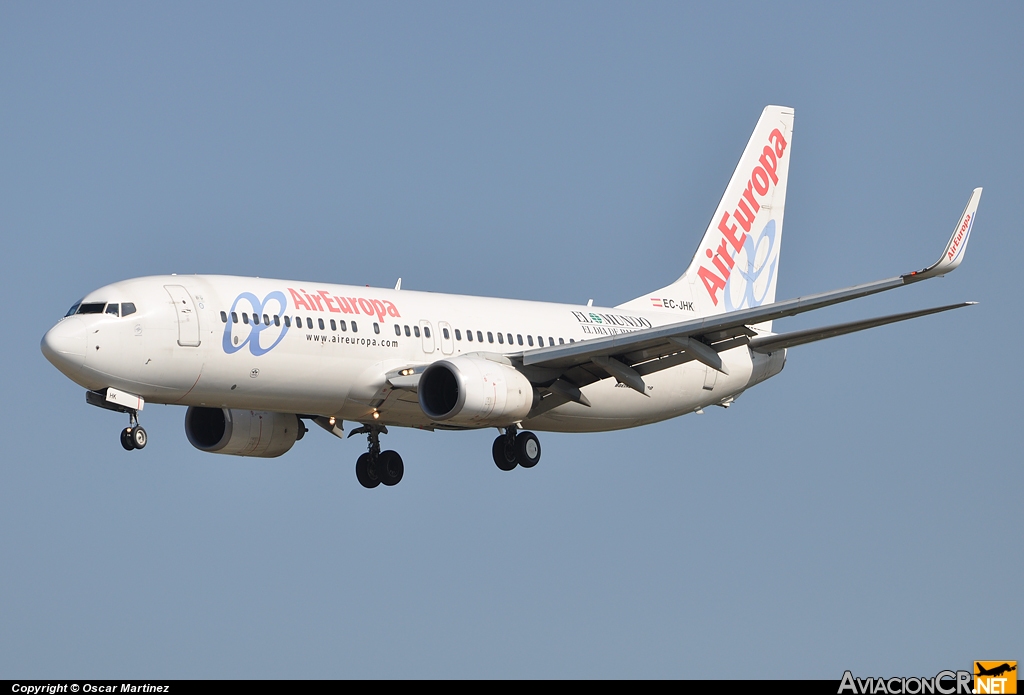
629 356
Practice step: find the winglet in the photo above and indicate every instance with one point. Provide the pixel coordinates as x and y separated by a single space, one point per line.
954 253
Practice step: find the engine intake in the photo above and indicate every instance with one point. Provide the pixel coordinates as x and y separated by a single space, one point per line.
474 390
242 432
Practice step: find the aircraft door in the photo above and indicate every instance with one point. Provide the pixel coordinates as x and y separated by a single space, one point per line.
428 337
447 344
188 318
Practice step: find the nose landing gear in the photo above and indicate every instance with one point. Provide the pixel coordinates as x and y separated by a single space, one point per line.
376 466
133 436
511 449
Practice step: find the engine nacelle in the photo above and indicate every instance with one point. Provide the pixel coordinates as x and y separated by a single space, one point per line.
242 432
473 390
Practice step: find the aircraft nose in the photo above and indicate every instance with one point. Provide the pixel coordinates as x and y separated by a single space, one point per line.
64 345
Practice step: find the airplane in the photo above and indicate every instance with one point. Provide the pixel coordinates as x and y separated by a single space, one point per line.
254 359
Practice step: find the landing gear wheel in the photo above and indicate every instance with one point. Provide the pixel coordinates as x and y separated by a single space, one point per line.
390 468
126 439
139 437
366 471
504 455
527 449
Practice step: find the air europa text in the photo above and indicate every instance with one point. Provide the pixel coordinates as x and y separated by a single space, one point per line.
761 179
316 301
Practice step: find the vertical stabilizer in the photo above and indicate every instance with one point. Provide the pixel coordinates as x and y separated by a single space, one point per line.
736 265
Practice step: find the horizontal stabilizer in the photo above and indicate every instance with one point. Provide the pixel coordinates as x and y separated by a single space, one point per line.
771 343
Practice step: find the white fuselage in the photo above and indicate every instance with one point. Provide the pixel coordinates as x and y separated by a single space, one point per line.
324 350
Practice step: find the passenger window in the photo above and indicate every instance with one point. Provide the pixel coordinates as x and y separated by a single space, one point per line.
376 328
416 331
112 309
234 317
287 322
529 339
408 332
266 320
355 328
309 323
519 338
479 337
509 338
255 319
277 320
91 308
245 318
426 331
501 339
447 335
469 336
320 322
344 326
334 325
298 322
572 340
223 317
561 341
540 341
490 337
458 334
398 330
127 308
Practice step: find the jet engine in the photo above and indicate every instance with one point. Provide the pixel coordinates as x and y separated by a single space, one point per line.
475 391
242 432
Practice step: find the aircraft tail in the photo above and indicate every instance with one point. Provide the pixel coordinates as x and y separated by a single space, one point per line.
737 261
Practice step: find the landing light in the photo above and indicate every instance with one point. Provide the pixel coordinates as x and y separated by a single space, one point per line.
331 421
375 415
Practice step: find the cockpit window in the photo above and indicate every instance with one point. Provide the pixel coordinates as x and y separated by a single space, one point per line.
127 308
73 309
91 308
112 309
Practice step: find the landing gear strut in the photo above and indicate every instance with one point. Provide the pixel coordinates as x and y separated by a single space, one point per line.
511 449
376 466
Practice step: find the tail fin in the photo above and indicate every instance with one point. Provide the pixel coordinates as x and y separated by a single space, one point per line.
736 264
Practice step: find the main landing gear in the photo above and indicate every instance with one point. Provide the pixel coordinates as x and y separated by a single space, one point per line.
511 449
133 436
376 466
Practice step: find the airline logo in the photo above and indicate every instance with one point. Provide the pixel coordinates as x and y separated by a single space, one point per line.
957 245
762 177
262 334
274 304
322 300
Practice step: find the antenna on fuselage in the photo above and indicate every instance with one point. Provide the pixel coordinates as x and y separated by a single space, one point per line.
590 302
398 285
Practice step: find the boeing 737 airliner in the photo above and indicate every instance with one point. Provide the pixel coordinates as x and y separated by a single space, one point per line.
253 358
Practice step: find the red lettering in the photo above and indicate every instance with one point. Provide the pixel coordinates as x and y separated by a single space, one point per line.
343 305
299 301
729 232
760 180
712 283
352 302
770 163
327 300
780 142
366 306
379 307
392 309
744 216
723 251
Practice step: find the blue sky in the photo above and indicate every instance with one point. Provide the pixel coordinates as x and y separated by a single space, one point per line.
859 511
